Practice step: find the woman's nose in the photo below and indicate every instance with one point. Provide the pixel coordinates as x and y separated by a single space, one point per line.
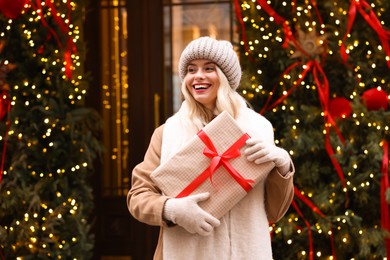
199 74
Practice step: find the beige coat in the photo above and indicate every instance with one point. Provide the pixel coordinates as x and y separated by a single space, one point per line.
146 203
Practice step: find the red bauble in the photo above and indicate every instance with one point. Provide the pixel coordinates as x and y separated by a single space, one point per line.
12 8
375 99
340 107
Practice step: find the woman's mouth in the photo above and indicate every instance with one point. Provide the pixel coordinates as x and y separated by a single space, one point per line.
200 87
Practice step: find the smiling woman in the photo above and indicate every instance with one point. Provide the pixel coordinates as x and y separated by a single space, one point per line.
210 73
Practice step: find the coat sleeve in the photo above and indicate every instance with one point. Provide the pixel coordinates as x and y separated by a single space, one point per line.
279 193
144 200
279 189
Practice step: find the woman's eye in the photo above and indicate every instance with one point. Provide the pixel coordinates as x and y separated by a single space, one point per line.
190 70
210 68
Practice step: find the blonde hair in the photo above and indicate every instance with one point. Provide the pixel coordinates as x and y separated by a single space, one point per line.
227 100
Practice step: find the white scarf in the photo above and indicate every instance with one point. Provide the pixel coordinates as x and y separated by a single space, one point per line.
243 233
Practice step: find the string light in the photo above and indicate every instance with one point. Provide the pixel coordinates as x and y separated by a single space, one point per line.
366 66
43 217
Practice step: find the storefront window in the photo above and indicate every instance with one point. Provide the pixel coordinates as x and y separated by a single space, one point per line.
115 179
185 20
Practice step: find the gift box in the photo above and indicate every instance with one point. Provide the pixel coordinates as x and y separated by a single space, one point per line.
212 161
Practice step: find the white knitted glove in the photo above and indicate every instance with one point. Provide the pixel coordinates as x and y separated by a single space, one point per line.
261 152
186 213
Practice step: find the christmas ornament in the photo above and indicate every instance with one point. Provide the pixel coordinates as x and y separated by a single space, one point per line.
308 45
340 107
375 99
12 8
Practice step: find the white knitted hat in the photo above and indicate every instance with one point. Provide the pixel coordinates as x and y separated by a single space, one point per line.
219 51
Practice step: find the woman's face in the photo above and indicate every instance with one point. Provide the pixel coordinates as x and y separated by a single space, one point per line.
202 82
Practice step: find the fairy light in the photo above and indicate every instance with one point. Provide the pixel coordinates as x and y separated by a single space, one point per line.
268 36
37 219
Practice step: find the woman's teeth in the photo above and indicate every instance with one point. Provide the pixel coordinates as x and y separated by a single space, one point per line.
200 86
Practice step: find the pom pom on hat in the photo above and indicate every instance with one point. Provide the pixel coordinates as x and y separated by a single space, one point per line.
219 51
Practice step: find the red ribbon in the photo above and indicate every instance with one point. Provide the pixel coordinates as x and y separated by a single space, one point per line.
70 46
64 28
240 20
216 161
311 205
372 20
385 214
309 232
307 68
315 209
8 123
322 85
323 94
314 4
278 20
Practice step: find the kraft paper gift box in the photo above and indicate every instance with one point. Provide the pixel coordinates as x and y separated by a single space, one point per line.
211 162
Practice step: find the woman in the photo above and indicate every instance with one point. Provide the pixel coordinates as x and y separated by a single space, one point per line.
210 73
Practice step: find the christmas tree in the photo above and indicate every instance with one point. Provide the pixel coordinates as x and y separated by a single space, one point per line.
47 133
320 72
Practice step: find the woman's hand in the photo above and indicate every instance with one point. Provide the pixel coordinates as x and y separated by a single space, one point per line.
261 152
186 212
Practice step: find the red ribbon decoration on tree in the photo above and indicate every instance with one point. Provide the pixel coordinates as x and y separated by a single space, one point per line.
315 209
6 103
309 232
286 28
70 46
372 20
322 85
240 20
12 9
385 214
217 161
314 4
323 93
278 20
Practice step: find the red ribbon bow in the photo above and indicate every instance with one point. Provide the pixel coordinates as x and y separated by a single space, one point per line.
216 161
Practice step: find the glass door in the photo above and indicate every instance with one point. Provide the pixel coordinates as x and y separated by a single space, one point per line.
185 20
